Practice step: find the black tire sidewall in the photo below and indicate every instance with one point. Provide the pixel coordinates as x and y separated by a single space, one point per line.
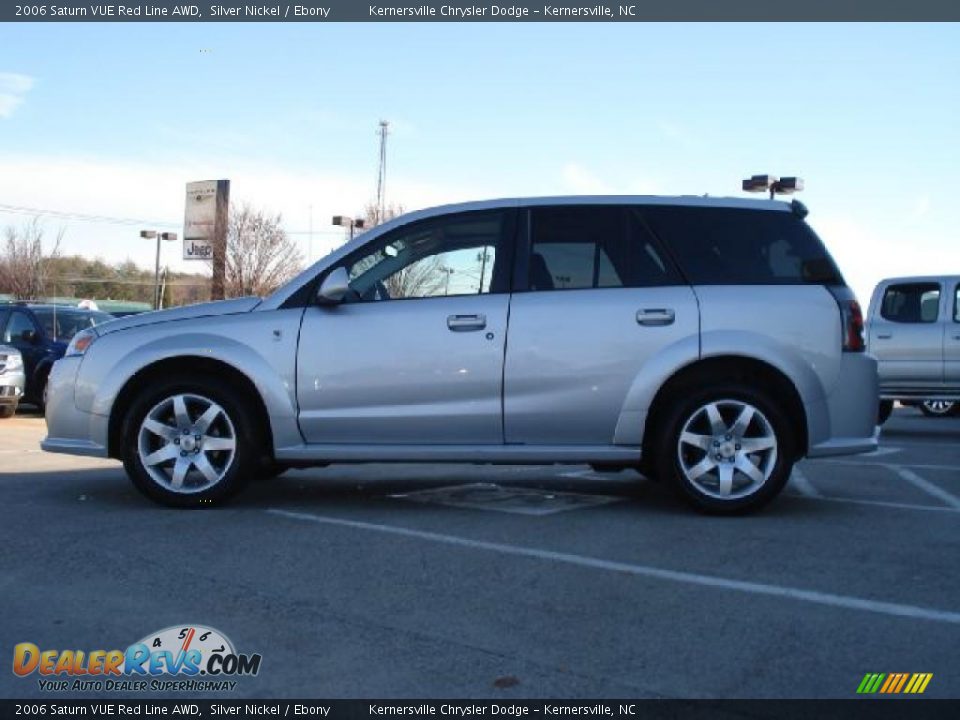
245 462
884 410
684 406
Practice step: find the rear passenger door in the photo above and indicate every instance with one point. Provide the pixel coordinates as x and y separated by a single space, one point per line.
595 299
907 335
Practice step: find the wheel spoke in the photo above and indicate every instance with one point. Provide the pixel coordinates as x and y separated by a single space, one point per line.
211 442
752 445
744 465
180 412
202 463
703 442
726 479
705 465
717 426
161 429
167 452
743 421
205 420
180 471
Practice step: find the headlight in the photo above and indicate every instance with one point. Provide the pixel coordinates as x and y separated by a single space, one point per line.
13 362
81 341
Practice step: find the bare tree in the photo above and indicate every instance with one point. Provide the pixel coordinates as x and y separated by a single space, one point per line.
260 256
371 214
24 268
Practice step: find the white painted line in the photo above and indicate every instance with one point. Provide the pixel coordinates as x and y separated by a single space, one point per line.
847 602
803 486
878 503
927 486
589 474
883 451
918 466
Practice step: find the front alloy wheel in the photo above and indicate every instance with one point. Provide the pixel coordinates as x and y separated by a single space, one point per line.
187 443
191 443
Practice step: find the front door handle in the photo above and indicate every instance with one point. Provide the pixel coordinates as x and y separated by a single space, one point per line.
884 336
466 323
656 316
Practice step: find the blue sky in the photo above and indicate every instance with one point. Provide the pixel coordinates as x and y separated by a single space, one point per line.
113 120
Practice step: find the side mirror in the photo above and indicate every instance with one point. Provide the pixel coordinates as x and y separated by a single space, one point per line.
334 288
29 336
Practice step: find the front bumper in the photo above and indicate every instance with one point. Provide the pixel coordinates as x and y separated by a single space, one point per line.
69 429
850 420
11 387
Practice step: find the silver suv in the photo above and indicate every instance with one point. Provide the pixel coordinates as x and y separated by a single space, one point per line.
914 332
707 342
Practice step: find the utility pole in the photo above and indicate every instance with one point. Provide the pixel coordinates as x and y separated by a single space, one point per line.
382 171
218 280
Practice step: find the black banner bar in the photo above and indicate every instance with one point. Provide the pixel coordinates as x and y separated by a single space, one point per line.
321 11
868 709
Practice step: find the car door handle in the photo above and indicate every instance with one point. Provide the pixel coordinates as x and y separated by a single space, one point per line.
466 323
884 336
655 316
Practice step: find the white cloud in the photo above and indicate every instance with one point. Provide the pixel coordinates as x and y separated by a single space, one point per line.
13 86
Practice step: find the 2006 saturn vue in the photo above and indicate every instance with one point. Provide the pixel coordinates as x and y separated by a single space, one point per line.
710 343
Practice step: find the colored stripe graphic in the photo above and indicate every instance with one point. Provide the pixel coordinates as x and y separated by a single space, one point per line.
894 683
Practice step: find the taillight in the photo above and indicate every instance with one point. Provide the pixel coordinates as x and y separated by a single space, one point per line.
852 326
852 319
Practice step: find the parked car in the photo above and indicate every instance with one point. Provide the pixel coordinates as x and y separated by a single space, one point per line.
41 333
710 342
914 332
12 380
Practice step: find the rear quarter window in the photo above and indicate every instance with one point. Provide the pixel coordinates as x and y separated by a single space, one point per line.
733 246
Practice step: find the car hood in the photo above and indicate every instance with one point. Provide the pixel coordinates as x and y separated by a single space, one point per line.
209 309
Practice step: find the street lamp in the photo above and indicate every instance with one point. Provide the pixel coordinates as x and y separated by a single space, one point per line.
773 184
344 221
150 235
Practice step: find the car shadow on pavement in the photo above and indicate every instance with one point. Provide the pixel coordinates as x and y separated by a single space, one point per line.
342 487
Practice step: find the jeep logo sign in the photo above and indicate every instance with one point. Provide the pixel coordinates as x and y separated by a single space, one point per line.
197 250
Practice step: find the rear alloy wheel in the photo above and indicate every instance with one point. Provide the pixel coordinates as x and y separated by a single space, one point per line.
189 444
728 450
938 408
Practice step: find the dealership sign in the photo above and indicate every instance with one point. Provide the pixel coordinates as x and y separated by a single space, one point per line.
205 206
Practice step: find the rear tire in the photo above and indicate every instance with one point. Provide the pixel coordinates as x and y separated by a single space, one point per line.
190 442
726 449
7 411
938 408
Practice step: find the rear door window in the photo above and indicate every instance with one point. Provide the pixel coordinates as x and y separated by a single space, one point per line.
911 303
593 246
735 246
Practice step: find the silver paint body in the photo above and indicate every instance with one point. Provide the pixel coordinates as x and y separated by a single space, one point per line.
917 360
550 376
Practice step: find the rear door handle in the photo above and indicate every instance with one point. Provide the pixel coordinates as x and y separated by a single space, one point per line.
656 316
466 323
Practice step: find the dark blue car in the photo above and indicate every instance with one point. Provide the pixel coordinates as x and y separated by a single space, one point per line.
41 333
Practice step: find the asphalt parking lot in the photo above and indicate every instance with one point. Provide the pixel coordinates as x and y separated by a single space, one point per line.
374 581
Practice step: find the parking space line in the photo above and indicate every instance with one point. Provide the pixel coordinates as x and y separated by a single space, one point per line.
877 503
854 463
847 602
803 486
927 486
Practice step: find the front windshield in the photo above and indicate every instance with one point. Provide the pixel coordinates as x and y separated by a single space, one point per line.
64 324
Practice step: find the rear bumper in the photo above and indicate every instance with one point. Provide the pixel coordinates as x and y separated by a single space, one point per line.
849 423
70 430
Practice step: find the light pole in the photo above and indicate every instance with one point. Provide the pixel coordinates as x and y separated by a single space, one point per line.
150 235
344 221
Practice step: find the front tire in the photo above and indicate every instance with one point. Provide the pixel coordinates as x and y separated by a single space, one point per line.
190 443
884 410
727 449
